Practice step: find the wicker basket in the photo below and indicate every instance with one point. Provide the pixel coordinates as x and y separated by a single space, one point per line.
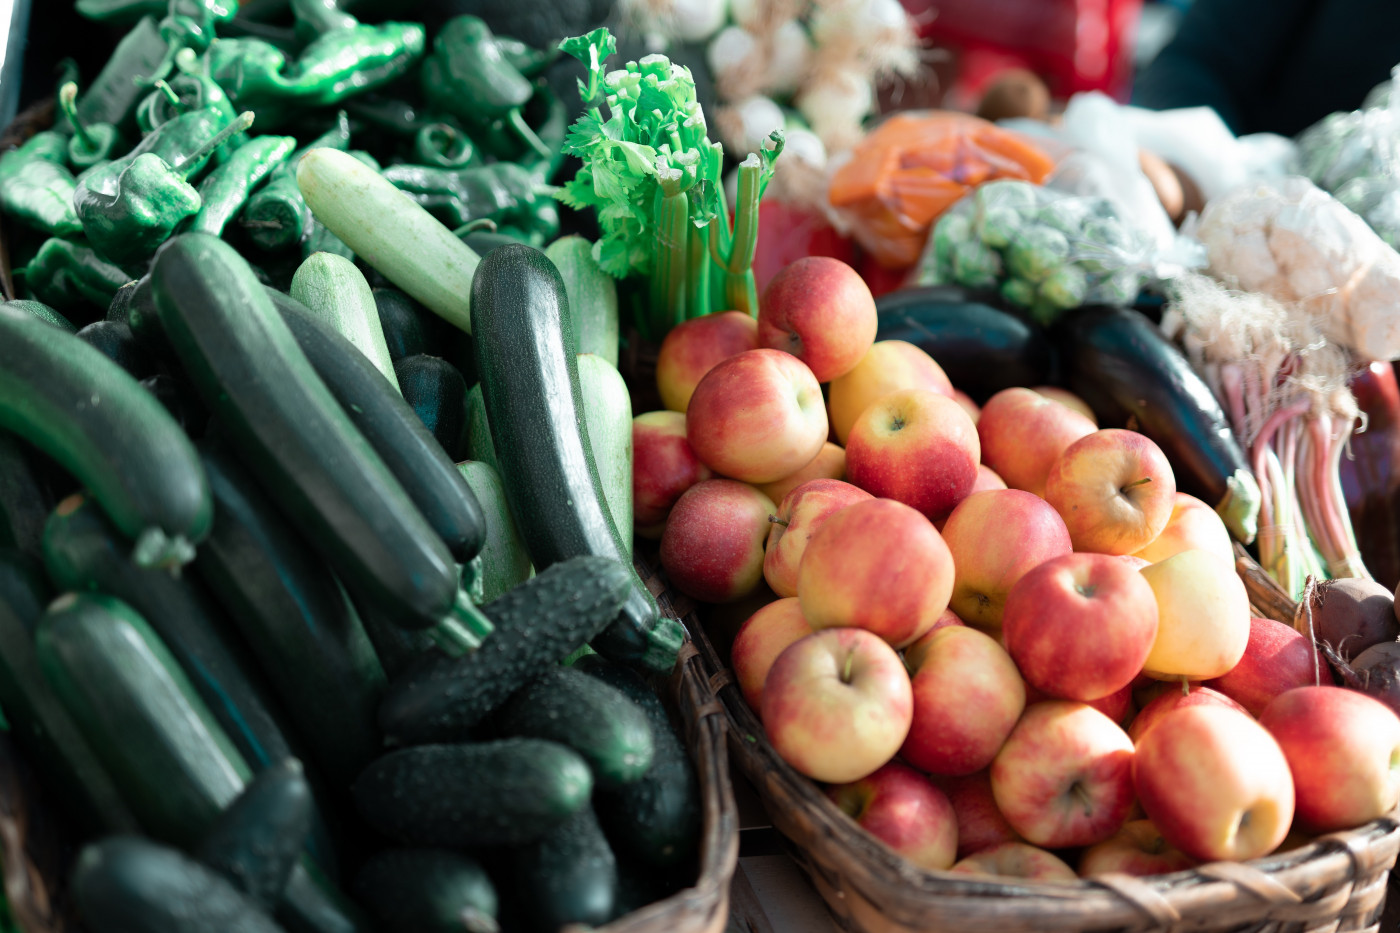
1335 883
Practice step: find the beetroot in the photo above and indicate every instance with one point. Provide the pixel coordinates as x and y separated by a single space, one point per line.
1375 672
1351 615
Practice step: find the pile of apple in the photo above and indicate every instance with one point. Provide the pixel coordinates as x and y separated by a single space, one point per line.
996 632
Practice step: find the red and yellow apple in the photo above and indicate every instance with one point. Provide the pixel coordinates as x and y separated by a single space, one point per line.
1171 698
917 447
1138 849
987 479
762 637
889 366
757 417
663 467
1277 658
1114 489
1016 860
1023 433
1117 706
1192 525
692 348
712 548
980 823
1068 399
821 311
914 653
829 463
1202 617
837 704
799 515
904 810
962 398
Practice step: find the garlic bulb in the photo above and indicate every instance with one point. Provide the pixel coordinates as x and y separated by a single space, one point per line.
790 55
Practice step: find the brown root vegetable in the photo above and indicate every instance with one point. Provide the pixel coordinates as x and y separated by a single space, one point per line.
1192 200
1351 615
1016 92
1374 672
1165 183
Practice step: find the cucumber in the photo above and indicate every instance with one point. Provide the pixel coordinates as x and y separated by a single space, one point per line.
296 438
502 793
607 410
42 727
397 237
26 497
116 342
439 699
86 412
127 884
43 312
427 891
504 561
569 876
594 719
295 618
526 357
409 328
334 290
172 763
258 840
655 819
438 395
392 428
592 296
478 433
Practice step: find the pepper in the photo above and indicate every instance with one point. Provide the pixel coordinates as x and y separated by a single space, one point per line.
444 145
132 205
113 96
502 192
65 273
190 90
89 144
36 185
180 31
227 188
122 12
529 61
277 216
318 17
388 114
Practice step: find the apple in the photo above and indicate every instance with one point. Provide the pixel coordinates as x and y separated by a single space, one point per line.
1343 749
829 463
837 704
914 654
1202 617
1065 775
1079 626
692 348
757 417
987 479
904 810
876 565
1132 560
917 447
1114 489
968 696
888 366
1138 849
1016 860
1068 399
712 549
1277 658
969 406
821 311
1170 699
762 637
663 467
1192 524
1215 783
1117 706
1023 433
980 823
995 538
799 516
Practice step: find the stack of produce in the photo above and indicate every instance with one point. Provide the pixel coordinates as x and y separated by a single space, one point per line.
1000 618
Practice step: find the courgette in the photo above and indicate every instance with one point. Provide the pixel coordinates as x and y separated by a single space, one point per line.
505 563
43 312
26 496
607 410
440 699
119 311
116 342
409 328
296 438
179 398
479 444
501 793
90 415
334 290
427 891
437 393
528 365
568 876
592 296
257 841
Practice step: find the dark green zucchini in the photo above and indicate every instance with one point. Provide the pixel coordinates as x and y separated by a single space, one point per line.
41 725
1119 362
437 393
119 310
126 884
440 699
295 618
117 343
567 876
409 328
43 312
397 648
26 496
502 793
179 398
393 429
427 891
594 719
294 435
258 840
982 348
90 415
527 361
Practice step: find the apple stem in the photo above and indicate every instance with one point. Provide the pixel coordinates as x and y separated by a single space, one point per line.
846 670
1185 686
1136 482
1078 790
777 521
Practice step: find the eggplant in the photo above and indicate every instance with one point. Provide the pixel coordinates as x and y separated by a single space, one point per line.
1131 376
981 347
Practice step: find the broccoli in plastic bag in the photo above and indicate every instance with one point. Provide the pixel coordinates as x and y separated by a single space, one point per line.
1036 252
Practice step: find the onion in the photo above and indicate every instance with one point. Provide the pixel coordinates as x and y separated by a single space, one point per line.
1375 672
802 145
732 48
834 103
758 116
790 55
1351 615
696 20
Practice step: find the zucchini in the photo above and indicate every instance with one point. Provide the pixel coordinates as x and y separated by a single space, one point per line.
296 619
118 344
127 884
119 311
1119 362
26 497
478 432
569 876
172 763
592 296
409 328
297 439
427 891
392 428
438 395
43 312
982 348
257 841
396 648
504 561
41 726
607 411
334 290
179 398
528 364
594 719
440 699
86 412
503 793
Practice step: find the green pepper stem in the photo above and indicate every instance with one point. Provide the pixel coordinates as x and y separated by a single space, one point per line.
471 226
187 61
322 16
67 102
170 95
531 138
240 124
